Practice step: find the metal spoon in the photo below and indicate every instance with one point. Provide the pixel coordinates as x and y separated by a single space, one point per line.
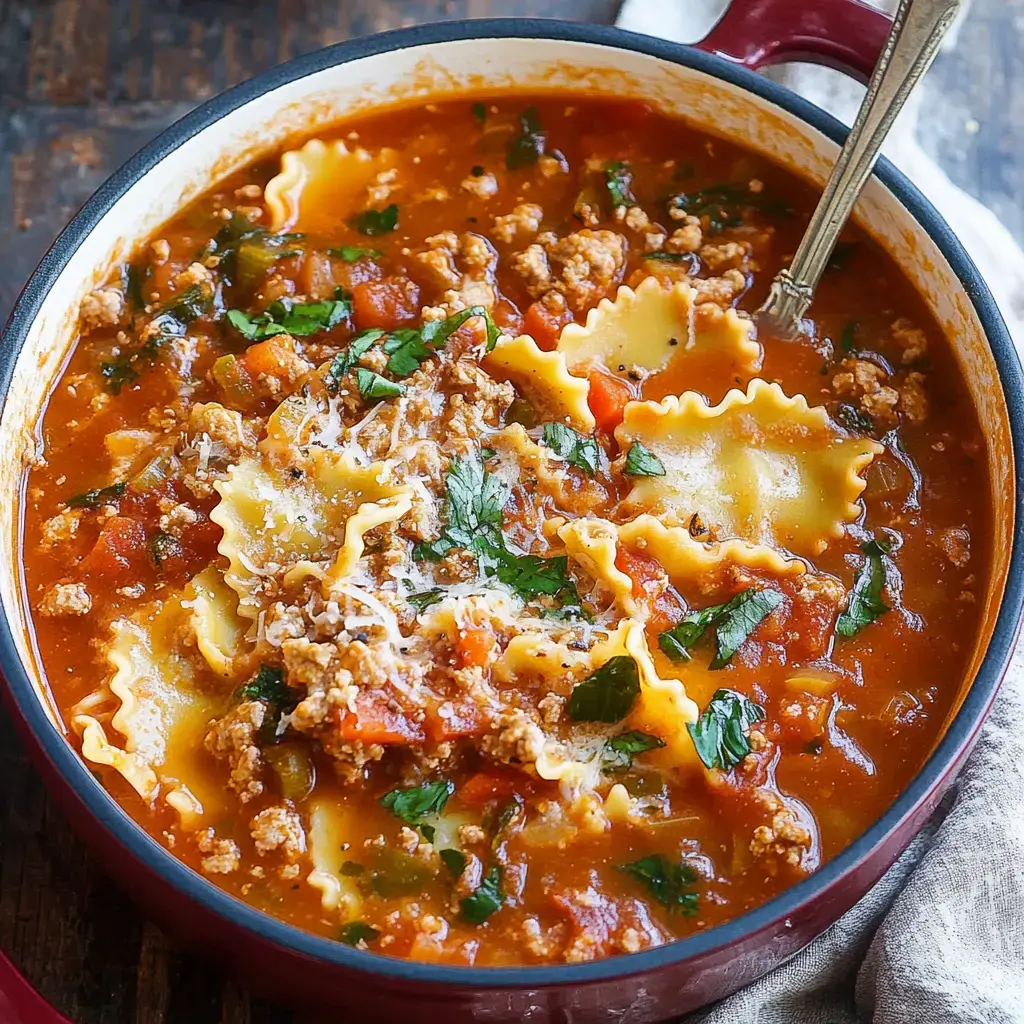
917 31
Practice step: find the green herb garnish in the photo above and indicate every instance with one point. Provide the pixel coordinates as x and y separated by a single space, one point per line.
352 253
267 685
163 546
285 316
864 603
377 222
620 750
373 387
479 112
666 882
346 359
722 204
579 450
608 694
454 861
246 251
357 931
734 621
528 146
414 804
720 734
408 348
118 373
472 515
98 496
619 179
641 461
423 600
488 898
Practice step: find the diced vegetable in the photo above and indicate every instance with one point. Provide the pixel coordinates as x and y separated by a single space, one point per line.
374 721
234 382
607 399
387 304
475 648
120 545
544 326
294 769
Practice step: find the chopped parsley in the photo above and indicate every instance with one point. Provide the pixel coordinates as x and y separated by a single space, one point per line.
353 253
246 252
117 373
608 694
188 305
98 496
414 804
667 882
409 347
473 519
720 734
479 906
423 600
641 461
579 450
528 146
377 222
285 316
619 180
722 204
373 387
267 685
347 358
864 603
357 931
163 546
454 861
733 622
620 750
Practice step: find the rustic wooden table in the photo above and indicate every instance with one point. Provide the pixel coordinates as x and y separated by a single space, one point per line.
84 84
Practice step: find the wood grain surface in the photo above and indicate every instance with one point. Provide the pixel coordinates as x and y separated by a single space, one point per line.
84 84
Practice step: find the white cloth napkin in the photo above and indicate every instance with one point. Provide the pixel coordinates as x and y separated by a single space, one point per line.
940 939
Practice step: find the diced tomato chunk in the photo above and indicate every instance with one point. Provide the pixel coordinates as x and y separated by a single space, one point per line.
651 586
374 721
460 718
490 785
387 304
608 398
544 326
474 648
121 543
802 717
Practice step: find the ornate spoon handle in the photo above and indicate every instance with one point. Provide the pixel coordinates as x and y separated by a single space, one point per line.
917 31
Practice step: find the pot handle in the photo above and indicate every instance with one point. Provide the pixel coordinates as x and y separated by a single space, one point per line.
844 34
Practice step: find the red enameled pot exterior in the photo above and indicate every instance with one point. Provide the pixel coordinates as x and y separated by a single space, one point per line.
297 969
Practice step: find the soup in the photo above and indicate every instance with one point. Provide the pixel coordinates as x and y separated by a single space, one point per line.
425 548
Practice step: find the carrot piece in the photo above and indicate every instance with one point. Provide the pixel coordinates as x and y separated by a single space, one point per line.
544 326
641 569
374 721
474 648
487 786
387 304
608 398
121 542
273 357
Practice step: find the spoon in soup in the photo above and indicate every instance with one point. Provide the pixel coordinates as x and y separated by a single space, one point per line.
917 31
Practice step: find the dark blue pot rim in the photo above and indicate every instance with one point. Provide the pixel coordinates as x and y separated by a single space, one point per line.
959 734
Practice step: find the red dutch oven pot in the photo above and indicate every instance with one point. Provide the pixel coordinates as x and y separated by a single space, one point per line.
303 969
